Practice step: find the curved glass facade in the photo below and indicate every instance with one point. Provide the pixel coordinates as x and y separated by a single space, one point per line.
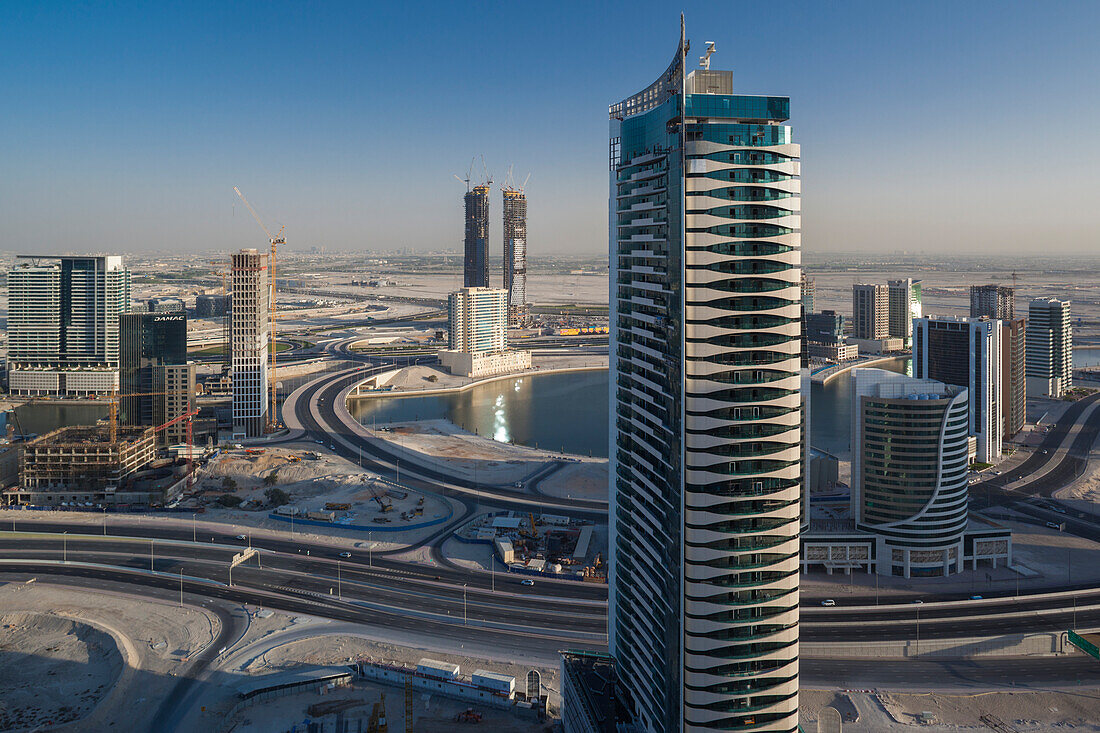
706 448
910 478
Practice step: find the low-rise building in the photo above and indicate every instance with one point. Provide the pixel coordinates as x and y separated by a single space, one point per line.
833 352
82 464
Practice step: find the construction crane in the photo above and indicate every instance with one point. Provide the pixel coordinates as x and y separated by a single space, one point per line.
275 241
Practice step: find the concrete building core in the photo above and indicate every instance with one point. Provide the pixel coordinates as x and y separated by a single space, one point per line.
515 255
250 336
475 261
85 459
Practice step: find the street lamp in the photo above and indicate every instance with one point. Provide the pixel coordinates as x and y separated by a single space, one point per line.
463 604
339 593
64 547
194 528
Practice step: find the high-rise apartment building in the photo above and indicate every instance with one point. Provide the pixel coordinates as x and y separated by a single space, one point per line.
1013 374
992 301
905 304
63 314
156 382
478 319
476 253
870 311
250 336
515 254
966 352
909 471
478 334
705 458
1049 348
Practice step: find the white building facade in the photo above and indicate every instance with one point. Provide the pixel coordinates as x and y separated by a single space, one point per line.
1049 361
705 456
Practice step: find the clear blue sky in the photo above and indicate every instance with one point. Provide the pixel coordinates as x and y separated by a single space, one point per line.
925 126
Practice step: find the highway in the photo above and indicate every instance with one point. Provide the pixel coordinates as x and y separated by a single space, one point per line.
393 593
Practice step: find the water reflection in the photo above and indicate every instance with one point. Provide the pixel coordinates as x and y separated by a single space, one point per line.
569 411
552 411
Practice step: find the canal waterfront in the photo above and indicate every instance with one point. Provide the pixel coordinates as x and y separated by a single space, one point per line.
568 411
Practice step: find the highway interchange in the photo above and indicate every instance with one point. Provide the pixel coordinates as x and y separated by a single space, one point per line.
379 590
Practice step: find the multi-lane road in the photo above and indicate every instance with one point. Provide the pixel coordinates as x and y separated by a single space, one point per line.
379 589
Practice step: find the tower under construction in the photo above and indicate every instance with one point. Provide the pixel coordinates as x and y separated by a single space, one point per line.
515 254
250 324
476 256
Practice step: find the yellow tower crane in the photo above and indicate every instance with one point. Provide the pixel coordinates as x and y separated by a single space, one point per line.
275 242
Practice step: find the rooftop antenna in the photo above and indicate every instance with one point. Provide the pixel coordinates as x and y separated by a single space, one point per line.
704 61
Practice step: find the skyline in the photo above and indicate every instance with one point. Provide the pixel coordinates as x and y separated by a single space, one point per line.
134 125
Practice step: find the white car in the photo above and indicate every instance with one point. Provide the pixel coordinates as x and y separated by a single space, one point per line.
526 581
345 554
828 602
242 537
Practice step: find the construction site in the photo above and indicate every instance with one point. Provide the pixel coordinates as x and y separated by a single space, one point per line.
540 544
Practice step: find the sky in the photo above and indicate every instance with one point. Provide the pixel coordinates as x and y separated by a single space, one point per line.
926 127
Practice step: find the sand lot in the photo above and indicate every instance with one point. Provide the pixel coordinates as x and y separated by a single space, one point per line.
78 660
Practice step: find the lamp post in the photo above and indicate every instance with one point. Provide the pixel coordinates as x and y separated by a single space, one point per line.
181 587
64 547
463 604
151 569
339 592
194 528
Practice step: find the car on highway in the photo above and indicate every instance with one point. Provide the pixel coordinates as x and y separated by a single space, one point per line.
918 601
526 581
331 446
319 442
975 598
242 537
345 554
828 602
1045 451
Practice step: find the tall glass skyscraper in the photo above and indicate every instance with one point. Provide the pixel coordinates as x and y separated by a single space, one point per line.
705 444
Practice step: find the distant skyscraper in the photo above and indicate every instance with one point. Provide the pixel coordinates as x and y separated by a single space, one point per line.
904 305
63 317
1013 374
476 258
870 311
157 383
249 341
515 254
992 301
211 306
809 294
705 456
909 471
966 352
1049 348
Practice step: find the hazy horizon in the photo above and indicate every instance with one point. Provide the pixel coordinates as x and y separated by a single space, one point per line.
930 128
